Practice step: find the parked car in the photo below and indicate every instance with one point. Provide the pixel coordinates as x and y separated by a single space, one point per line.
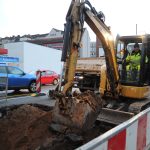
18 79
49 77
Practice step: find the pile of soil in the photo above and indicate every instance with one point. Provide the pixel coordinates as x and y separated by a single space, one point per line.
24 128
27 127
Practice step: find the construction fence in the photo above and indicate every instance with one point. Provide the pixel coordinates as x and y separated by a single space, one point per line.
133 134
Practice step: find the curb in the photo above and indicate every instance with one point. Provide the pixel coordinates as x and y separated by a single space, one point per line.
38 94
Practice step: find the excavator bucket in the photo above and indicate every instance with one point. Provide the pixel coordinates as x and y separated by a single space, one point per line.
79 111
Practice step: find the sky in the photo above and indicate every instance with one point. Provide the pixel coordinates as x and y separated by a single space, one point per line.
20 17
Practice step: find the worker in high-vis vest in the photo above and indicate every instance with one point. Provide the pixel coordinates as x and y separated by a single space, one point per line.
133 63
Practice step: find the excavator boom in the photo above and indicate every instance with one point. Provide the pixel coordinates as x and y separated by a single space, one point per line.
77 14
104 35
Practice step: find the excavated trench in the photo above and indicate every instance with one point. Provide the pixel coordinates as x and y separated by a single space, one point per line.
27 127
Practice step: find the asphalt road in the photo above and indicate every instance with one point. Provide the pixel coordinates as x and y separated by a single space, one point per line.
24 97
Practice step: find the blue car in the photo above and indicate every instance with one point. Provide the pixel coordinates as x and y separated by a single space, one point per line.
18 79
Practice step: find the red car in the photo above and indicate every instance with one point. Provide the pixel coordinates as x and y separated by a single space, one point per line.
49 77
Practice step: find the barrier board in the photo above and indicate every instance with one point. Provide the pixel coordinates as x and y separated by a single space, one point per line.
133 134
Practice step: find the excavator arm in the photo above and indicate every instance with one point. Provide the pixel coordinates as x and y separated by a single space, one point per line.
104 35
78 14
72 38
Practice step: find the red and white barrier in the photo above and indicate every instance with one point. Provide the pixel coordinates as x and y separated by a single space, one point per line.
38 81
133 134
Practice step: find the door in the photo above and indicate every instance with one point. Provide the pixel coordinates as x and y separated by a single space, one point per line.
47 77
16 77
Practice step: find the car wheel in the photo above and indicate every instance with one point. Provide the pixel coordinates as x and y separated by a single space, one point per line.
32 87
55 81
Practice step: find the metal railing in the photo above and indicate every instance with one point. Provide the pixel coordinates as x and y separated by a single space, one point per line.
131 135
3 87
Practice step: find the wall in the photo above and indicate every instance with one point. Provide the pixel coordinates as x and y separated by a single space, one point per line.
33 57
40 57
85 42
16 50
54 33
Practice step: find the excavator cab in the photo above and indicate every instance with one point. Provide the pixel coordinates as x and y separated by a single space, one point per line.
132 74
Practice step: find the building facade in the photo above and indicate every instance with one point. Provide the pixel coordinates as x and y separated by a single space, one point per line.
93 49
54 39
99 48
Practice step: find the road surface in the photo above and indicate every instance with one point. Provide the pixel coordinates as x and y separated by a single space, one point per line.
24 97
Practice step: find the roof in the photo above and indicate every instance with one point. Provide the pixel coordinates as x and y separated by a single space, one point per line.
133 38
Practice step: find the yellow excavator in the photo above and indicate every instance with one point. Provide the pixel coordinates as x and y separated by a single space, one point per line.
118 98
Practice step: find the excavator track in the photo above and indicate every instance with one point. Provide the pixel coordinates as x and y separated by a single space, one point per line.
115 117
119 116
139 106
